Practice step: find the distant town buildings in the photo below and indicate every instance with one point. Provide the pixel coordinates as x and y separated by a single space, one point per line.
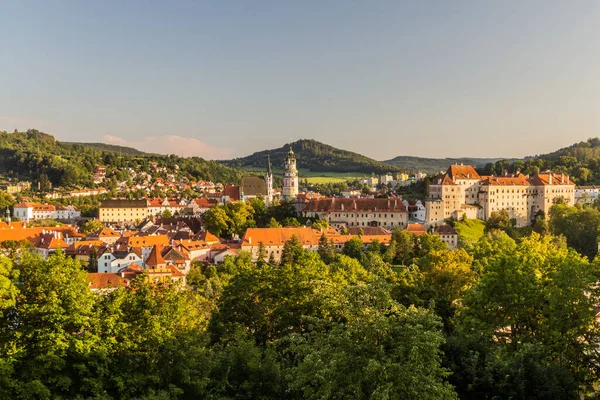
388 213
586 194
31 211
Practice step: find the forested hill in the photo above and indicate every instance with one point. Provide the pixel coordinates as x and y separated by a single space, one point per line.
317 157
28 155
129 151
582 151
435 165
580 161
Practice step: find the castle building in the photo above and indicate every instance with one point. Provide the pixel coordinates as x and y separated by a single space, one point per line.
461 191
290 177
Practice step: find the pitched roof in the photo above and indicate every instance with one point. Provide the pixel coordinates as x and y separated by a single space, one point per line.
368 230
278 236
50 241
416 229
462 172
207 237
354 205
506 180
155 258
445 229
233 192
106 281
122 203
252 186
30 233
105 232
545 179
144 241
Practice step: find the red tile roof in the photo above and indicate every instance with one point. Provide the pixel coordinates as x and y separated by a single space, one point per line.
507 180
233 192
354 205
462 172
544 178
106 281
445 229
278 236
155 258
416 229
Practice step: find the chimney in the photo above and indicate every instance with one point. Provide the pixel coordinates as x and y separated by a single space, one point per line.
249 239
550 178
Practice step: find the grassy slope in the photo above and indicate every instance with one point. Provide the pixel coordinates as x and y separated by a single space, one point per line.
470 230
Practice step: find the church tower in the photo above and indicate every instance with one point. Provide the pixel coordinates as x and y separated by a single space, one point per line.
269 184
290 177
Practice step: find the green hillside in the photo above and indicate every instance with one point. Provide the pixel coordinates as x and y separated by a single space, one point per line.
317 157
29 155
580 161
129 151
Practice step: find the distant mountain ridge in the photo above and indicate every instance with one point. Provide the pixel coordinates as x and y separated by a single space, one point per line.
317 157
435 165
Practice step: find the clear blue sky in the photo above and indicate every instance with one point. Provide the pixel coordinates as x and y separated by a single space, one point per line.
383 78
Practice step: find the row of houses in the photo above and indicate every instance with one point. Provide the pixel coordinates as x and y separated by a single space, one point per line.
28 211
128 211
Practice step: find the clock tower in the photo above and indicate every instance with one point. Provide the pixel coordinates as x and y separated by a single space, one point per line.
290 177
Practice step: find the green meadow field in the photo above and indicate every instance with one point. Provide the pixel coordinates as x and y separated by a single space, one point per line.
314 177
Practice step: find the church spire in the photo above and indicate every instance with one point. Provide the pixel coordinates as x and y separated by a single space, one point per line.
269 160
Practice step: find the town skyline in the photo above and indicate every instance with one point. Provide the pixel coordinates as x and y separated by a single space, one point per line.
223 81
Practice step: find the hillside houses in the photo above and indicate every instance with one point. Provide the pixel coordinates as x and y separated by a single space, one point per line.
33 211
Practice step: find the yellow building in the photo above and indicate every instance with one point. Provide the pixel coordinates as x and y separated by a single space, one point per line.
123 210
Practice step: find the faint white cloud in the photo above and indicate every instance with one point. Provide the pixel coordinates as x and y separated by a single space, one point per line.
172 144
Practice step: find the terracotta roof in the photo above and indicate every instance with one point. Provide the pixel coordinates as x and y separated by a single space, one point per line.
416 229
207 237
105 232
106 281
368 230
12 225
121 203
507 180
462 172
233 192
175 271
50 241
155 258
144 241
354 205
30 233
205 203
544 178
278 236
192 245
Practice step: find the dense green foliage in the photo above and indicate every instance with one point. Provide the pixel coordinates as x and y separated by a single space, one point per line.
435 165
234 218
32 155
315 156
502 319
580 161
